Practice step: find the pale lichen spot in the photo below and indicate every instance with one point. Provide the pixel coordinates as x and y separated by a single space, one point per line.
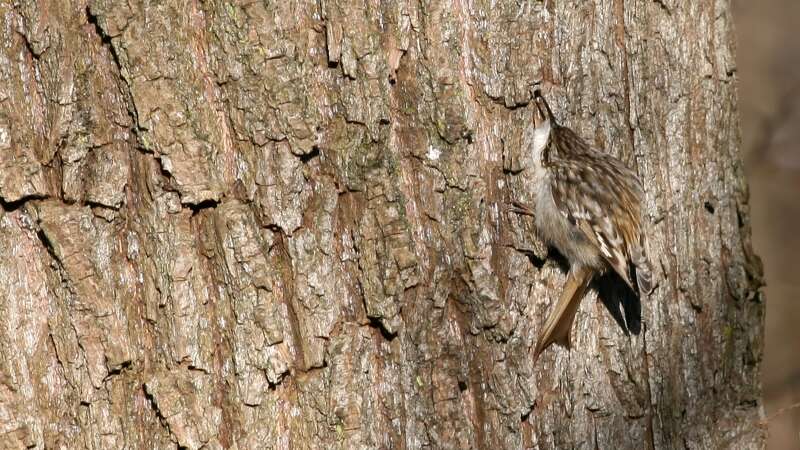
5 137
433 153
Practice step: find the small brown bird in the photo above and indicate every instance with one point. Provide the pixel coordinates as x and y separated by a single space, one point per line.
589 207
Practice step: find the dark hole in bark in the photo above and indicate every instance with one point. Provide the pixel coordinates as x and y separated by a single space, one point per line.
305 159
524 417
374 322
205 204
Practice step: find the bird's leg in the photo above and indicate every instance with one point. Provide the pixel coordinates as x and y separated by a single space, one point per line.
520 208
558 325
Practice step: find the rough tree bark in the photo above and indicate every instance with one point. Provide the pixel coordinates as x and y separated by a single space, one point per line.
255 224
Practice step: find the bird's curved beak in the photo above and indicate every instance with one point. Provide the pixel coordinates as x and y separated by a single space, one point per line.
543 112
538 115
542 106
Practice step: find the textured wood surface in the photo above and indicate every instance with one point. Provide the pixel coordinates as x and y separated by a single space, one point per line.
255 224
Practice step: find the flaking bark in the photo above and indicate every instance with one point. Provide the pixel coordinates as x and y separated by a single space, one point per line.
251 224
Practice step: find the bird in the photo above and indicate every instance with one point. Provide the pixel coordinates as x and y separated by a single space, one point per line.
588 206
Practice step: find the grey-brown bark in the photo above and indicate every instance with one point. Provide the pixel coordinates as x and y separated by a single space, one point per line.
252 224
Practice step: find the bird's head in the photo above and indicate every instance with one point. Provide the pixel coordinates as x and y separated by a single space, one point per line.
544 122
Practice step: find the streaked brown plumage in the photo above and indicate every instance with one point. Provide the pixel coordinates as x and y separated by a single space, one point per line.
589 207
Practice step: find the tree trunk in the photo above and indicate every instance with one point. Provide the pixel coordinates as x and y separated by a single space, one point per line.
254 224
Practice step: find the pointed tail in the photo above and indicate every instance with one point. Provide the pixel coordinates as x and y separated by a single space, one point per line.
558 325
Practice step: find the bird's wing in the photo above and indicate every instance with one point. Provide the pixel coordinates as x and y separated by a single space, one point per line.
602 198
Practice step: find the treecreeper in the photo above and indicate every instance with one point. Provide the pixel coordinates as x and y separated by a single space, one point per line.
588 206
